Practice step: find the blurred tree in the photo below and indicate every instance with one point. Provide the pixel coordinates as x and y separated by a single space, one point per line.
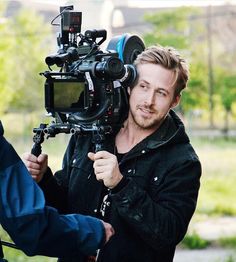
4 45
226 89
170 28
225 60
175 28
24 45
186 29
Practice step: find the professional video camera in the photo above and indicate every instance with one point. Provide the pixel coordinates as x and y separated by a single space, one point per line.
88 91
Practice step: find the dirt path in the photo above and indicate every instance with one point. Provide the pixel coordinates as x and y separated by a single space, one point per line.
215 228
210 229
205 255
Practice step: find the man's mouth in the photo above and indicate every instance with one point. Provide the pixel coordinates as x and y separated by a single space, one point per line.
145 111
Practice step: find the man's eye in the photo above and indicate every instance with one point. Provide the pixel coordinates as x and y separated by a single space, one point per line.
143 86
161 93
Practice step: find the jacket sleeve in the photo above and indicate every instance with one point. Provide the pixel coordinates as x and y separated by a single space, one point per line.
35 228
161 220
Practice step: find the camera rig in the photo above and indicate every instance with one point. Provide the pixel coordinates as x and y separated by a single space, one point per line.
88 91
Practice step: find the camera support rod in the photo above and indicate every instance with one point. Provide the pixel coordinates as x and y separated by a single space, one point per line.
38 140
98 134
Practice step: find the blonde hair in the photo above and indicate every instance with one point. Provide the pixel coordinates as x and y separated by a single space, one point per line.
169 58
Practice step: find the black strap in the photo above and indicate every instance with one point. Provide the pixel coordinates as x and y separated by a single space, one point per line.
1 253
1 250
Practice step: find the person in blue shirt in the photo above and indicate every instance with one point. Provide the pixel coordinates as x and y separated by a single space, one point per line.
38 229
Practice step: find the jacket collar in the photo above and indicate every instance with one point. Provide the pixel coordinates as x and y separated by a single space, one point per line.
171 131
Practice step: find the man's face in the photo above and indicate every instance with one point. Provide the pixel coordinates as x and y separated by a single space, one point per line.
152 97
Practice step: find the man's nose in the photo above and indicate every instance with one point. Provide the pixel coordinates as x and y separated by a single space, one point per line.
150 98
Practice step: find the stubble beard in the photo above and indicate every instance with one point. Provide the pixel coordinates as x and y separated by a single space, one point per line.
142 123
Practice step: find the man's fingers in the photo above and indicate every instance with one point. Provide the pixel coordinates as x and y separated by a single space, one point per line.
29 157
42 158
102 155
33 172
109 230
32 166
91 156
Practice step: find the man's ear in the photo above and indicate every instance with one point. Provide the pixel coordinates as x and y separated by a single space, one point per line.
176 101
128 90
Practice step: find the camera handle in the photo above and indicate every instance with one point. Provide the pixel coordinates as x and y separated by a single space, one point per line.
98 140
99 136
38 140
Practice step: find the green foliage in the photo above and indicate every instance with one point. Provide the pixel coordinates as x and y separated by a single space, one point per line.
227 89
185 29
5 43
22 53
175 28
231 258
170 28
195 95
229 242
194 241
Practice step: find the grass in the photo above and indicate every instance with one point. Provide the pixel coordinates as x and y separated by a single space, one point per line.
230 259
229 242
218 176
15 255
217 192
194 241
18 256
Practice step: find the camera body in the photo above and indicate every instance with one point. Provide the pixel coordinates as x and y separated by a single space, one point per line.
87 92
93 92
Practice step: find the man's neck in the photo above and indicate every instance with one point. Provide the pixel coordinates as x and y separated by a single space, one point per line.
130 135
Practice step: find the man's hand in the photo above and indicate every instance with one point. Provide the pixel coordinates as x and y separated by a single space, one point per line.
37 166
106 168
109 230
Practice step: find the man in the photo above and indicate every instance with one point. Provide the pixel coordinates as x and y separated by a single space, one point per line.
36 228
150 173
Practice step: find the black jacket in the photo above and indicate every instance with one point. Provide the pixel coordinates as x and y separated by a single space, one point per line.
152 206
